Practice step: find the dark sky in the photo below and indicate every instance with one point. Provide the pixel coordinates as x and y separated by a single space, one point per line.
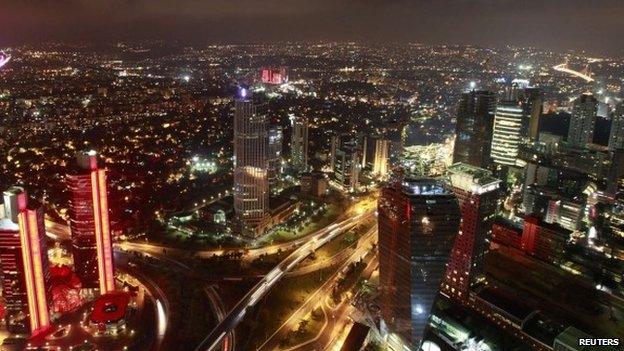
595 25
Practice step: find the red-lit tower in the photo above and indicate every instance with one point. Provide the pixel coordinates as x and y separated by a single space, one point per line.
477 193
24 263
90 228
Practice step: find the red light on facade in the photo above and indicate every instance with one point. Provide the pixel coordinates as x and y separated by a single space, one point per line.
90 226
34 275
276 76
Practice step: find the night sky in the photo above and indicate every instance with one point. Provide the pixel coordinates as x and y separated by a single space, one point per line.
595 25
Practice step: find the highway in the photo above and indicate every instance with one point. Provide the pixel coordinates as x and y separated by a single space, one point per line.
239 311
321 296
229 342
161 302
250 254
563 67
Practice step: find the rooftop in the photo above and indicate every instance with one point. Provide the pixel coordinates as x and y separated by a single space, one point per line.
471 178
110 308
424 187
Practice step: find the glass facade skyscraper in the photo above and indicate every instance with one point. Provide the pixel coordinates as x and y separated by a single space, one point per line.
418 222
475 122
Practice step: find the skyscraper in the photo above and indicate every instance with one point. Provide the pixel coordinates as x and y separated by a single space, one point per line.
347 166
475 124
418 222
90 226
477 193
251 183
507 132
583 120
380 160
533 102
616 138
299 143
516 121
275 138
24 263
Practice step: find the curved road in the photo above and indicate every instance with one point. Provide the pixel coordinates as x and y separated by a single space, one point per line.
239 311
563 67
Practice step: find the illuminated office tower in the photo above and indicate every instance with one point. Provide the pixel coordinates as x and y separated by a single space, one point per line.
616 138
507 135
473 131
89 223
418 222
477 193
251 183
24 264
583 120
380 160
275 138
299 143
375 156
516 121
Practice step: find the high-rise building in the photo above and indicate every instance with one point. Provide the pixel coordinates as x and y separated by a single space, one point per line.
375 156
583 121
534 105
616 138
251 183
507 133
275 139
299 143
24 264
347 168
473 131
347 159
516 121
380 161
418 223
477 193
89 223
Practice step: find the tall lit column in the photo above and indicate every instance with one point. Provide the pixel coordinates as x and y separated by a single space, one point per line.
24 263
90 226
251 183
380 162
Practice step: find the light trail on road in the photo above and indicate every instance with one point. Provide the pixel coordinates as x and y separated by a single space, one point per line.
564 68
262 288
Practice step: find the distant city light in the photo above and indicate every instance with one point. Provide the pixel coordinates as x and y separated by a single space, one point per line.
4 59
186 78
473 85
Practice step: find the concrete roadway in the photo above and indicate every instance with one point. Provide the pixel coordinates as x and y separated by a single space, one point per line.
239 311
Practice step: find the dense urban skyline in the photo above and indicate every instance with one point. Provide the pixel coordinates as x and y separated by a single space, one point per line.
311 175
